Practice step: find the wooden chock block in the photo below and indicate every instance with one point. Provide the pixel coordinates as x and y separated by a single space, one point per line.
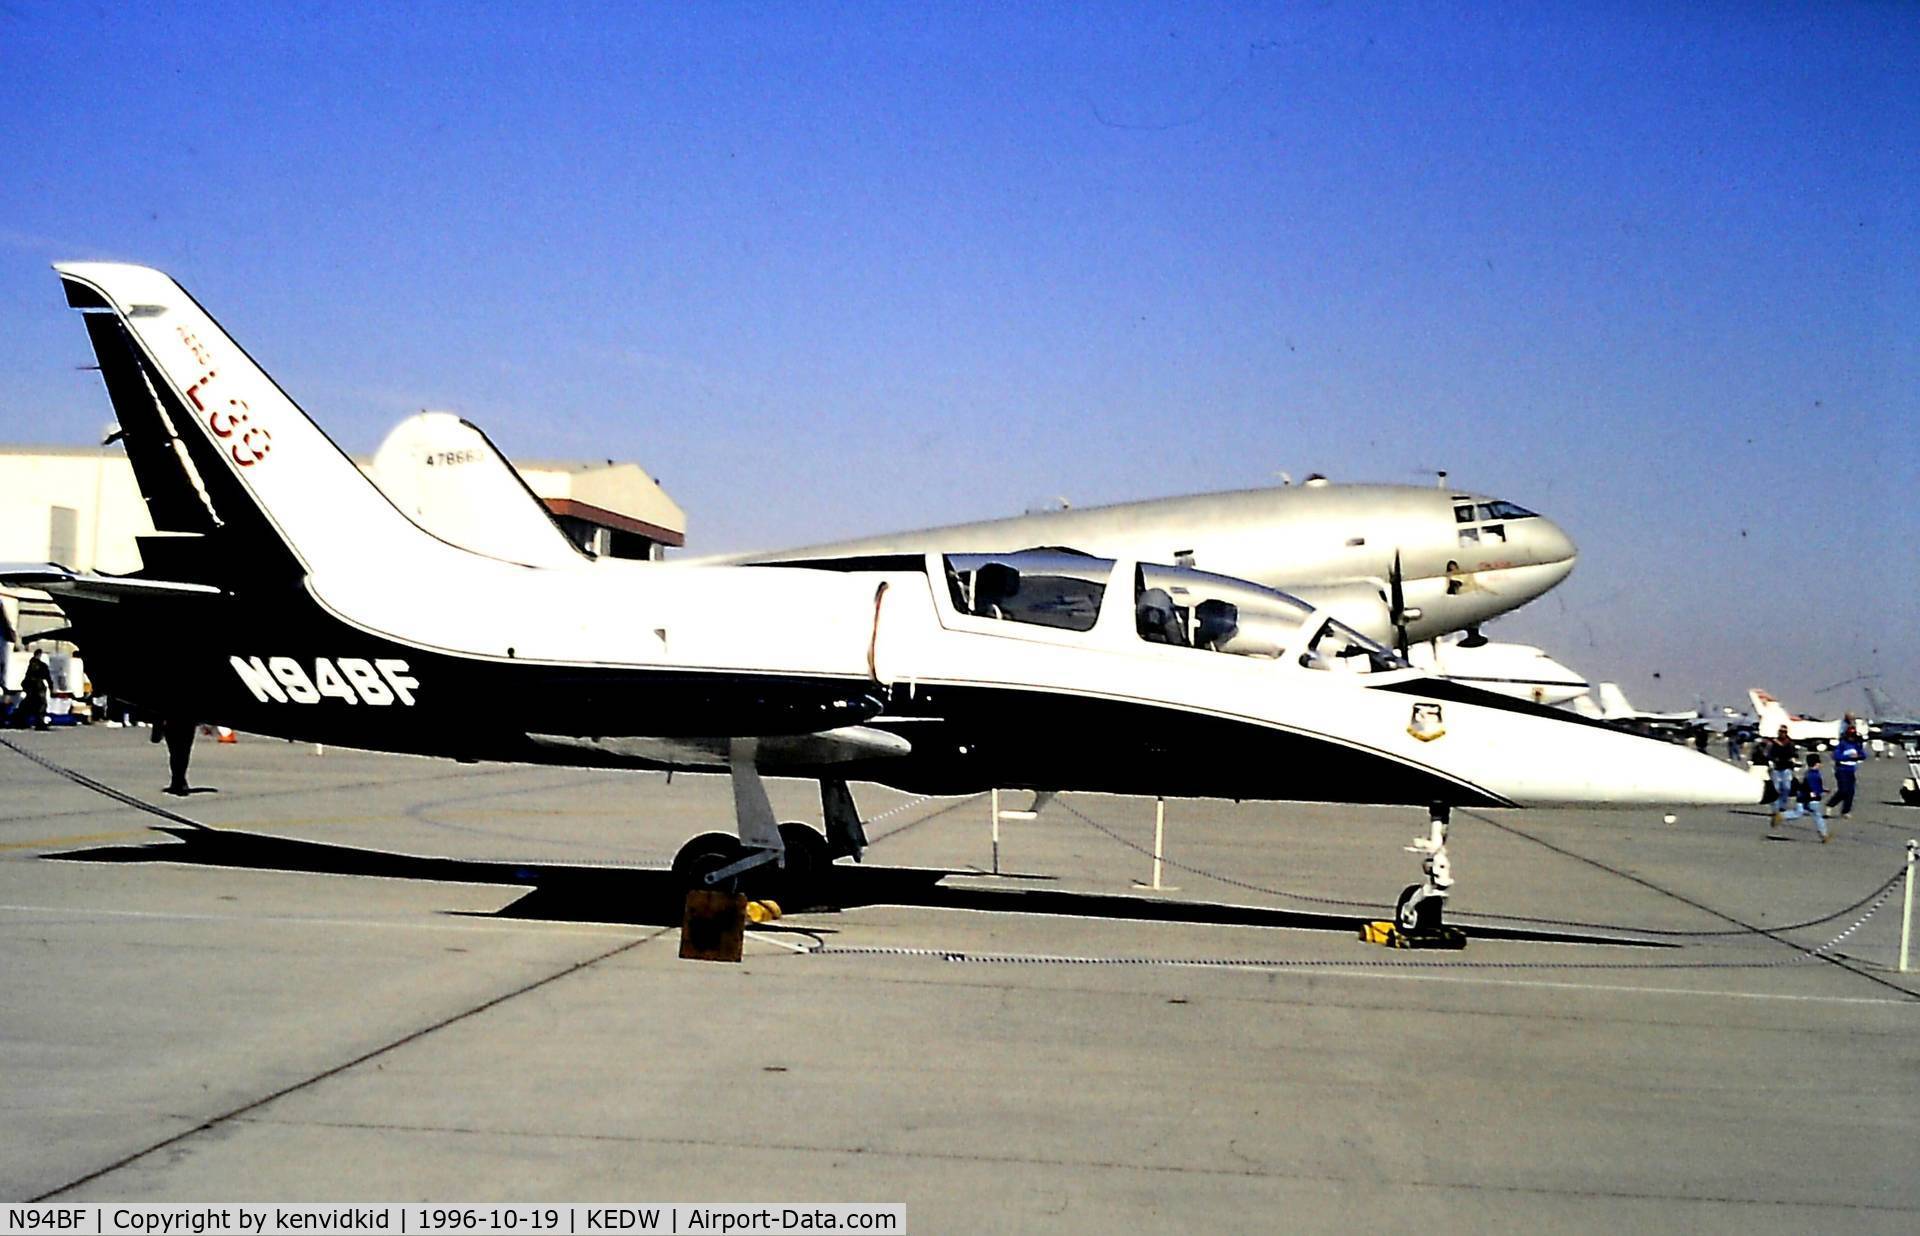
714 926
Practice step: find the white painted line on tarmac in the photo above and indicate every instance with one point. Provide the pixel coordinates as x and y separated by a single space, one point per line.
1619 988
777 942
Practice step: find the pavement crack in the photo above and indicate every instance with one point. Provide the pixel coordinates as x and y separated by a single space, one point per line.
412 1036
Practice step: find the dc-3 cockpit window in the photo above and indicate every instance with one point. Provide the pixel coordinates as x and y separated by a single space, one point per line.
1047 588
1504 510
1196 609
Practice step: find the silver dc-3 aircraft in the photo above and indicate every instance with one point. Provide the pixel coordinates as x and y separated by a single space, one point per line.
1400 563
304 604
1310 541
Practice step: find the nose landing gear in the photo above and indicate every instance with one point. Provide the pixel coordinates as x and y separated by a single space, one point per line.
1416 915
1419 907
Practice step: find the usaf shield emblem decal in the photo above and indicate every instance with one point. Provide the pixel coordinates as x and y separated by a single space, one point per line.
1426 724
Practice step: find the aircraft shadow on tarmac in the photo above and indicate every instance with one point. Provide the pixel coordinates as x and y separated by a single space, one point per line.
650 896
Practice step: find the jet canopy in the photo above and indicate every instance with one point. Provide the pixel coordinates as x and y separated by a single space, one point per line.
1174 606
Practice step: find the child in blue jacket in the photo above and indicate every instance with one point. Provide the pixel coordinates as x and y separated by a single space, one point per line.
1813 793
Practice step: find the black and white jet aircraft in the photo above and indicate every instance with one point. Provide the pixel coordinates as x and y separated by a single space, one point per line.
297 600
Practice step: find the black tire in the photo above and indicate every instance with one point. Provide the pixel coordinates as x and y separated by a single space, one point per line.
802 884
707 852
1418 918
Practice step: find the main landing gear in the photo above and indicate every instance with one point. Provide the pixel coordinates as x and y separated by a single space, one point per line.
789 862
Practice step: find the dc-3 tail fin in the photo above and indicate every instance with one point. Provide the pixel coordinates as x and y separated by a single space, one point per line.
1613 701
447 476
218 449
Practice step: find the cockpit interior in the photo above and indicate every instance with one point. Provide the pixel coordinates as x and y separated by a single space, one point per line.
1179 607
1485 523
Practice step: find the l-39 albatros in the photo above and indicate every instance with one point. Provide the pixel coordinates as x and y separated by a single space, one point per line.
304 604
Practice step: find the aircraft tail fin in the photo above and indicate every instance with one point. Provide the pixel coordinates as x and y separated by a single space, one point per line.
1613 701
219 450
447 476
1769 711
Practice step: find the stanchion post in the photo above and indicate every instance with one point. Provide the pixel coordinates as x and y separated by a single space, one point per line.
1159 849
1159 837
1906 908
996 832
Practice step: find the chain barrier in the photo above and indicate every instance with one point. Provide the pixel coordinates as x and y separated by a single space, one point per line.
1879 891
1877 899
1802 954
1098 827
894 810
100 787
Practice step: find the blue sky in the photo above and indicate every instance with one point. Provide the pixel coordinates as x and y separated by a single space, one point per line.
830 269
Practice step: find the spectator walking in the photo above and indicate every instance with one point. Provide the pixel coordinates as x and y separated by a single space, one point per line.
1846 764
36 687
178 735
1813 792
1781 757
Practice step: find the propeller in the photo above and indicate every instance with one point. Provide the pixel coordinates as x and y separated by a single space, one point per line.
1397 605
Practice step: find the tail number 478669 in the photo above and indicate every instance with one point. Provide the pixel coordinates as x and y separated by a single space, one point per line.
282 680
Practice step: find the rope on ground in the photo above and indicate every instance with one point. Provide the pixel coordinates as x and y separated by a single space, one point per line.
100 787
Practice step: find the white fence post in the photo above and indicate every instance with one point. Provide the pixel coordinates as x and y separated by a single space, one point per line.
1906 909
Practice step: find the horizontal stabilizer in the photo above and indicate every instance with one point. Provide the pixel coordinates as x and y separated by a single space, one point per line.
59 581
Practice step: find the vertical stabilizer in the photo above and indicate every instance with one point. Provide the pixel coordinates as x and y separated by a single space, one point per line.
1880 706
1613 702
448 477
224 452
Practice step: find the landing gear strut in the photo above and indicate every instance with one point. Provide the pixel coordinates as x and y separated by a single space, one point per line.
790 862
1418 910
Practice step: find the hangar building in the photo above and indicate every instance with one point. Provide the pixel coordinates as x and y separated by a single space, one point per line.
78 506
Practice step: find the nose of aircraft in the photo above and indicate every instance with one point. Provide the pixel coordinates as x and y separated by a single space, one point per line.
1595 766
1548 543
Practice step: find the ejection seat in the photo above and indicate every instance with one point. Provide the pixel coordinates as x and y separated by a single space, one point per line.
1157 620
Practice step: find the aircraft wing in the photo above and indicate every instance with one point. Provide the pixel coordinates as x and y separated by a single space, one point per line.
777 753
59 581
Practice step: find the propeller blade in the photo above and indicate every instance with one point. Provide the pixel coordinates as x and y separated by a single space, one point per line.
1397 605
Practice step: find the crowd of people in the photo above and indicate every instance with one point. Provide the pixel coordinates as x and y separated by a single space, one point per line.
1804 787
